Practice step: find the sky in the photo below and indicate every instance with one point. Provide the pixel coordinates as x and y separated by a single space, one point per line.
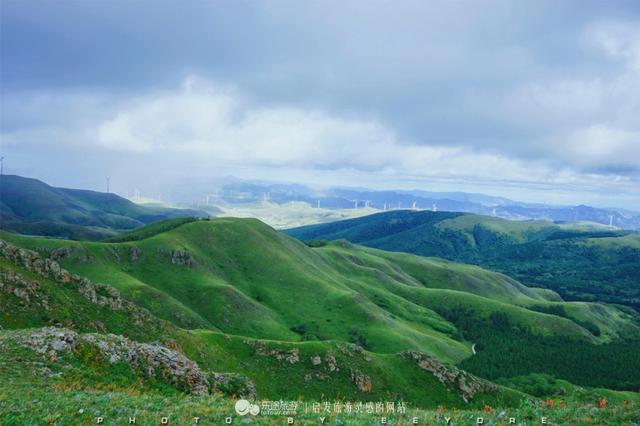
533 100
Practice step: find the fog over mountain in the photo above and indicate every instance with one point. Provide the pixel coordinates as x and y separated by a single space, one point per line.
533 101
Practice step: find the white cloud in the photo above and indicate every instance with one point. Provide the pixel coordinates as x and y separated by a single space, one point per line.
619 39
206 126
218 125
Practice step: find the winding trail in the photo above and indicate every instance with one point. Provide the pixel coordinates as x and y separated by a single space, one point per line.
473 348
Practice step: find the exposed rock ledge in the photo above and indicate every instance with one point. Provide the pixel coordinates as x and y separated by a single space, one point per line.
150 360
99 294
464 384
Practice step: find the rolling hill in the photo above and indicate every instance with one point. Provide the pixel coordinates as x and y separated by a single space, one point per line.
62 331
194 311
29 206
579 261
241 277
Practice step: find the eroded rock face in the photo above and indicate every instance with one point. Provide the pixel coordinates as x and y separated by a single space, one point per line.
331 362
61 253
464 384
362 381
291 356
99 294
183 258
134 254
23 288
352 350
150 359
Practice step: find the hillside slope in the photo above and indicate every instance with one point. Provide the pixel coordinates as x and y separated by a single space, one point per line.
29 206
101 340
579 262
241 277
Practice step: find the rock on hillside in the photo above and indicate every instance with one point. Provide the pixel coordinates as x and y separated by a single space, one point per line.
464 384
99 294
149 360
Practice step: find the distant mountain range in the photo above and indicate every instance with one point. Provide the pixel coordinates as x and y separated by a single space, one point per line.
29 206
580 262
243 192
231 306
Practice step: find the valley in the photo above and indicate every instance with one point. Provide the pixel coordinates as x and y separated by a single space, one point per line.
217 285
197 310
580 262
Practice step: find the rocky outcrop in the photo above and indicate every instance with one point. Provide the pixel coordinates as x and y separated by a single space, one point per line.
99 294
362 381
183 258
150 360
464 384
134 254
23 288
332 364
31 261
61 253
164 362
292 356
352 350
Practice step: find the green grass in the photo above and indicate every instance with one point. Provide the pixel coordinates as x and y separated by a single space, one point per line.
241 297
48 303
580 262
29 206
36 404
150 230
247 279
240 277
77 388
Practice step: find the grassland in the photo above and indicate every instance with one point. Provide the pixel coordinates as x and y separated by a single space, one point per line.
29 206
580 262
241 277
332 322
244 278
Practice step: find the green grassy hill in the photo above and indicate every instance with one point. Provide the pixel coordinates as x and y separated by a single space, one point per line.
29 206
580 262
241 277
331 322
79 353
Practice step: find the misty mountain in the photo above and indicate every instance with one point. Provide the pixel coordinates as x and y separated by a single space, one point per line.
30 206
242 192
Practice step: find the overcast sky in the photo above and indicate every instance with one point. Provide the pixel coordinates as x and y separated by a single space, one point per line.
534 100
